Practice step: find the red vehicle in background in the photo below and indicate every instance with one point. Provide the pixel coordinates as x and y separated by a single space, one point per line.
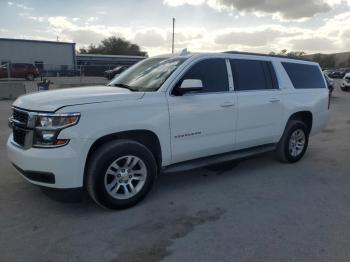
20 70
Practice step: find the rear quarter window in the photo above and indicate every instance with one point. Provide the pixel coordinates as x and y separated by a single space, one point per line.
304 76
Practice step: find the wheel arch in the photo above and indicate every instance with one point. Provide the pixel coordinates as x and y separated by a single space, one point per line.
305 116
144 137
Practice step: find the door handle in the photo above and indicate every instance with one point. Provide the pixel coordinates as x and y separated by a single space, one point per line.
227 104
274 100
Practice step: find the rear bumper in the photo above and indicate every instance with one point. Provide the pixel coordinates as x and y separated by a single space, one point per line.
59 168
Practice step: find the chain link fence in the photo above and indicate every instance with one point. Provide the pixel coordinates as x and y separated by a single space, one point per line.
59 76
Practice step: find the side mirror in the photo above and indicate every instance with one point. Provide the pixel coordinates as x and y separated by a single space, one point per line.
190 85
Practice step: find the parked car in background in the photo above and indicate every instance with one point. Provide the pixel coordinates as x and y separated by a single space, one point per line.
338 73
169 113
330 83
20 70
110 74
328 72
345 84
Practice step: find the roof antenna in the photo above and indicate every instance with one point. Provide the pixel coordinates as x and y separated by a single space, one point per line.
184 52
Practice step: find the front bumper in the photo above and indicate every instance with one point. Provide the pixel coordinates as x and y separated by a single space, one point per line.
65 164
345 84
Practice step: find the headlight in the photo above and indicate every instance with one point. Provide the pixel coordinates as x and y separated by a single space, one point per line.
48 126
56 121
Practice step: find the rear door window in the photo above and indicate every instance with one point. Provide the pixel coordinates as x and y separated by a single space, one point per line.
304 76
253 75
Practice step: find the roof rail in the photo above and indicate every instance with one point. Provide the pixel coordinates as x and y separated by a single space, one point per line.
267 55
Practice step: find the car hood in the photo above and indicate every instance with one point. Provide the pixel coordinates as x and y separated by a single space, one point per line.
52 100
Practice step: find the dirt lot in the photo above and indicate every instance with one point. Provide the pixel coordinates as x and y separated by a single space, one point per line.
260 210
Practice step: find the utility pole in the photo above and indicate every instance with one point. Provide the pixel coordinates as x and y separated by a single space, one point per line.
172 44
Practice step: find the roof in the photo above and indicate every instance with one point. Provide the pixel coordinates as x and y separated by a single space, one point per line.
109 56
267 55
35 41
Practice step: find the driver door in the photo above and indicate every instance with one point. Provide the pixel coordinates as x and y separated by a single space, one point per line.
202 123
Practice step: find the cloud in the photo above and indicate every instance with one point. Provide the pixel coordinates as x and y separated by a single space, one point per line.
284 9
68 29
37 18
331 34
83 37
313 45
253 38
21 6
61 22
183 2
149 38
92 19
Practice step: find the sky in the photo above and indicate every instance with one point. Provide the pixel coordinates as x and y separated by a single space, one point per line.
263 26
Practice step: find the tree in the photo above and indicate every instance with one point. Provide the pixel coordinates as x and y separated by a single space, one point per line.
285 52
114 46
296 54
325 61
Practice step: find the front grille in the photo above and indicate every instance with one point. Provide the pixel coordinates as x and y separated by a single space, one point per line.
19 135
20 117
20 128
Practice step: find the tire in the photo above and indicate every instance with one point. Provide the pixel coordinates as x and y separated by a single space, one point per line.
285 150
30 77
109 166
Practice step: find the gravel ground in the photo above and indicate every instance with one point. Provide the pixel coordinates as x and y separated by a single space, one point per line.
254 210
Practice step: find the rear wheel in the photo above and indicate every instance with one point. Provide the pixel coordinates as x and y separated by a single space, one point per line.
294 142
120 174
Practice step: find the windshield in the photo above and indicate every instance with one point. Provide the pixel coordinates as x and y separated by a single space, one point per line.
149 74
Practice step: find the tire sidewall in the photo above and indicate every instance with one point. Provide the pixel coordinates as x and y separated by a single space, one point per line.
291 129
107 157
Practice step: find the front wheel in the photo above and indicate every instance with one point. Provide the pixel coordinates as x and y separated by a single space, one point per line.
294 142
120 174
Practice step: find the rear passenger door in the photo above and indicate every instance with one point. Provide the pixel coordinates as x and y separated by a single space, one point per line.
259 102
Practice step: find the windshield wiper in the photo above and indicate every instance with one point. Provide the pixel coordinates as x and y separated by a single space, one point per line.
126 87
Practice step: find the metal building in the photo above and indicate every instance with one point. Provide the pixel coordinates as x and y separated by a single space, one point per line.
48 56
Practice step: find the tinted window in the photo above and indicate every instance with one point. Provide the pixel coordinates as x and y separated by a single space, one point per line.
212 72
304 76
253 75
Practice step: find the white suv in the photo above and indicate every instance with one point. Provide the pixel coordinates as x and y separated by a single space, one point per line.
166 114
345 84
